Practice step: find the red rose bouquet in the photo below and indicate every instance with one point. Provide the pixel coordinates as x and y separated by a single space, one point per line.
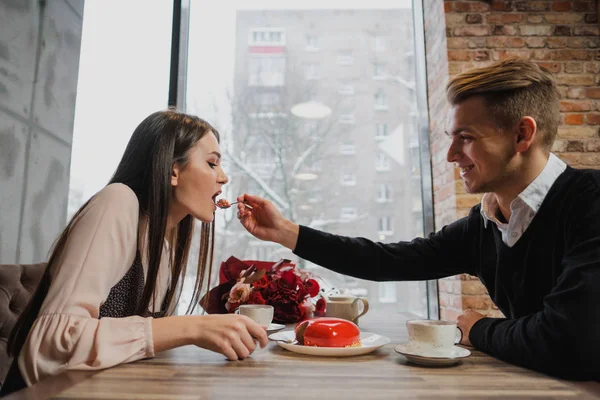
291 292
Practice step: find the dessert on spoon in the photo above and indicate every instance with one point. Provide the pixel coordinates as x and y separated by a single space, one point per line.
223 204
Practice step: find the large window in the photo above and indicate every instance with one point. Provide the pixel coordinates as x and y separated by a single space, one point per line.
248 65
123 77
266 70
325 169
384 193
381 131
312 71
312 43
266 37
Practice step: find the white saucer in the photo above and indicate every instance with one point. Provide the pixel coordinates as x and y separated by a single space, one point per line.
369 343
431 357
274 328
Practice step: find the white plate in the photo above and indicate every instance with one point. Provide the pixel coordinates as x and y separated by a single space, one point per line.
369 343
274 328
432 359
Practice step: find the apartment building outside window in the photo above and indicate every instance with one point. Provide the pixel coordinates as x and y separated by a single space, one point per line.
348 213
266 70
346 89
266 37
347 149
327 56
384 193
256 76
345 57
385 226
311 130
380 101
348 179
312 43
382 162
379 43
378 71
312 71
347 117
381 131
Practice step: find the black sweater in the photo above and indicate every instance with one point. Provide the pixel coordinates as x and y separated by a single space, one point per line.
547 284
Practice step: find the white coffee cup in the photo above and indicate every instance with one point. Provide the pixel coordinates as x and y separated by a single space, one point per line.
433 335
262 314
346 307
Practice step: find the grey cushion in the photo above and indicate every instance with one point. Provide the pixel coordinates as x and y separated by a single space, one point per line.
17 283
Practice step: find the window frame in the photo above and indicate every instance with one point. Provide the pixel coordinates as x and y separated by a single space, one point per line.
177 100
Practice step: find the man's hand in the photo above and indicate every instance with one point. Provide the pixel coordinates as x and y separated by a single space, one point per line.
465 322
266 222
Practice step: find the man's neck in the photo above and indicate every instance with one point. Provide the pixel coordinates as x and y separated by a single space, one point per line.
525 174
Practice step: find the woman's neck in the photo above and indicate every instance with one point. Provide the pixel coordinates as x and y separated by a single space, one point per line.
176 214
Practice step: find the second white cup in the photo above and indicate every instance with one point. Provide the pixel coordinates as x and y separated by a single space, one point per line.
437 335
262 314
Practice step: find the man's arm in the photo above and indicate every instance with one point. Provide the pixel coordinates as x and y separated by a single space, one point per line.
447 252
441 254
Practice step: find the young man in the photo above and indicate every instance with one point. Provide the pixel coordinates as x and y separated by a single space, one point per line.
534 241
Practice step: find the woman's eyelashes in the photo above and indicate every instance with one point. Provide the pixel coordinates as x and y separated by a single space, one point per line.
212 165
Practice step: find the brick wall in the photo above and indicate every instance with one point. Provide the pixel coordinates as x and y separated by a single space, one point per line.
562 36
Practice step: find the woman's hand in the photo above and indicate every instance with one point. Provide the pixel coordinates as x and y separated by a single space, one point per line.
232 335
266 222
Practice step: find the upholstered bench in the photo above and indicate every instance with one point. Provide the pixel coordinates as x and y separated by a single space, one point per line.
17 283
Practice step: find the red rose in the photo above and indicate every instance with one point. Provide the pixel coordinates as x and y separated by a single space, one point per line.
288 312
320 307
288 279
262 283
256 298
278 284
312 287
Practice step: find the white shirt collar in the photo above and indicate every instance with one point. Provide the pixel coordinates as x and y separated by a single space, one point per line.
528 200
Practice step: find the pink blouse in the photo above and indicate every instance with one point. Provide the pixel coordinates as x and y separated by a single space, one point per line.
67 335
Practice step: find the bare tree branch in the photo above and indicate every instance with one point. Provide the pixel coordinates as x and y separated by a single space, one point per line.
268 190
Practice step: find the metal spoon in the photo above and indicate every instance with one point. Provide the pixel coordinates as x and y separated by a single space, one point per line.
223 207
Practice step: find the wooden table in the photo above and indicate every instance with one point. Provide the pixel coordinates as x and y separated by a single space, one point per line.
193 373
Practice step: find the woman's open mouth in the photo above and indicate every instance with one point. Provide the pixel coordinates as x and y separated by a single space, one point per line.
214 199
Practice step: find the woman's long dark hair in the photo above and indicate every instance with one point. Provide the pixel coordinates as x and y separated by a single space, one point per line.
159 142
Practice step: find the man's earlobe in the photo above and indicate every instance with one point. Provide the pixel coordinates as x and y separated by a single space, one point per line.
526 133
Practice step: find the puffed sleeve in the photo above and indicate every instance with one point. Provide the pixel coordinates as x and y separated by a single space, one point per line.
67 334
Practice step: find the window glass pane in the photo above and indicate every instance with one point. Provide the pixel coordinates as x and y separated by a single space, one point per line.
266 70
378 70
354 171
123 77
346 88
312 43
345 57
380 131
379 43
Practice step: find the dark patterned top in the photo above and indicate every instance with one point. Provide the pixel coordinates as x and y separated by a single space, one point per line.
124 298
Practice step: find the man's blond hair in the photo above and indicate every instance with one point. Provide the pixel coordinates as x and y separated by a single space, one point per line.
513 89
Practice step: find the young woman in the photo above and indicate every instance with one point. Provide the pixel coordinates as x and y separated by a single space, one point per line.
117 269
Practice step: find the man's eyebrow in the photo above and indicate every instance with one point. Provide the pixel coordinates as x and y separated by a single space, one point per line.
216 153
454 132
